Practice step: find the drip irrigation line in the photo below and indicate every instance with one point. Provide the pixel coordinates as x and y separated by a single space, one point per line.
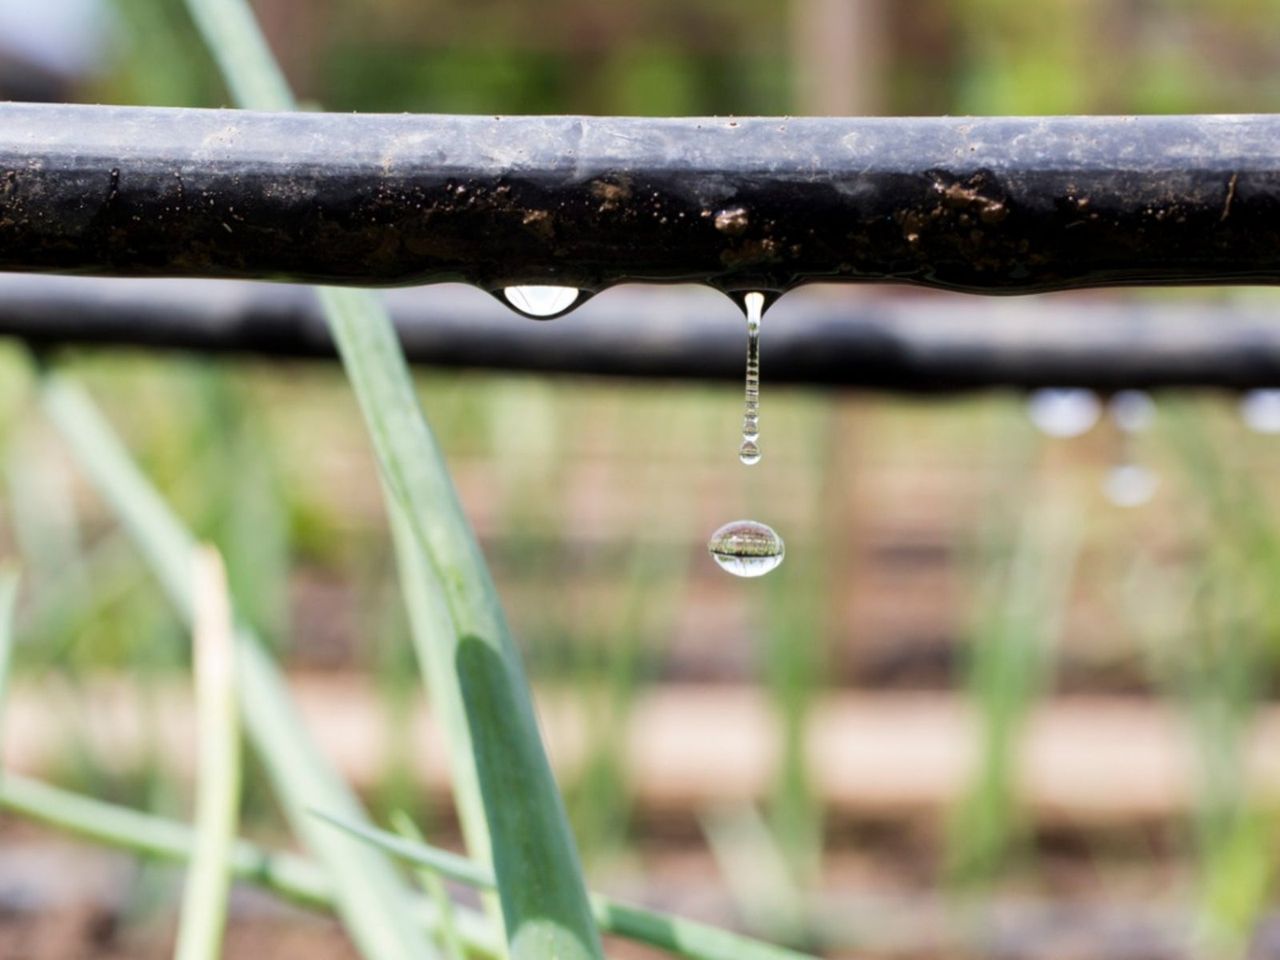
987 205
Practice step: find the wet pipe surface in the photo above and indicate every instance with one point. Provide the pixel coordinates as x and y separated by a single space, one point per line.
989 205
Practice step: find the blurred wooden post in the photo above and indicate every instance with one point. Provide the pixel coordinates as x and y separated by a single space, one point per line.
839 48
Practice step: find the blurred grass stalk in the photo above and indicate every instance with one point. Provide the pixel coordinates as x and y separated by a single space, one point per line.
433 887
1019 624
1215 661
291 877
307 884
464 638
795 609
682 937
754 866
8 601
371 899
204 902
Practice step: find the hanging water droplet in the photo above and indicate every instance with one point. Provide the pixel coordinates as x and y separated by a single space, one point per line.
749 452
746 548
1260 410
1064 411
1130 484
541 302
1132 410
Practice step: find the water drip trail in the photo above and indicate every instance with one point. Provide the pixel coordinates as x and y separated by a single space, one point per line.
749 451
748 548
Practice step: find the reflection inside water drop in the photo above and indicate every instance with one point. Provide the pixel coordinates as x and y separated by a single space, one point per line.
1064 411
746 548
541 301
749 452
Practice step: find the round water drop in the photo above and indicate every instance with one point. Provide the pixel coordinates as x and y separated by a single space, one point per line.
1260 410
541 301
1132 410
1130 485
746 548
749 452
1064 411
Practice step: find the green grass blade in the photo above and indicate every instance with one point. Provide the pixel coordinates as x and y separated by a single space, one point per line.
433 887
371 899
204 902
754 867
256 82
1010 661
540 882
447 864
685 938
434 637
288 876
251 73
543 894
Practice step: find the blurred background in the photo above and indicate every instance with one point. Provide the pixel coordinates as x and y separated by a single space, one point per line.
995 702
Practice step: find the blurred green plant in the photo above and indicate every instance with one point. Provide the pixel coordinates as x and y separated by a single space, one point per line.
1216 658
1029 570
371 899
204 903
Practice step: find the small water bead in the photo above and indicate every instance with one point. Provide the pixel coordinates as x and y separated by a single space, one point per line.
1064 411
541 301
1260 410
1132 410
1130 485
747 548
749 452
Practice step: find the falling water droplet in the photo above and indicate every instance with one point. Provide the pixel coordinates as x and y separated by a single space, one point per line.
541 302
749 452
1064 411
746 548
1260 410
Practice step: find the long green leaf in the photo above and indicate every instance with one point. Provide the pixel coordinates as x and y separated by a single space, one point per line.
543 894
251 73
544 901
204 902
371 899
306 884
683 937
287 875
434 641
256 82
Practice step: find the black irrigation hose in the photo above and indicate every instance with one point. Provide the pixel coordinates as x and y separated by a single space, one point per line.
900 343
984 205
